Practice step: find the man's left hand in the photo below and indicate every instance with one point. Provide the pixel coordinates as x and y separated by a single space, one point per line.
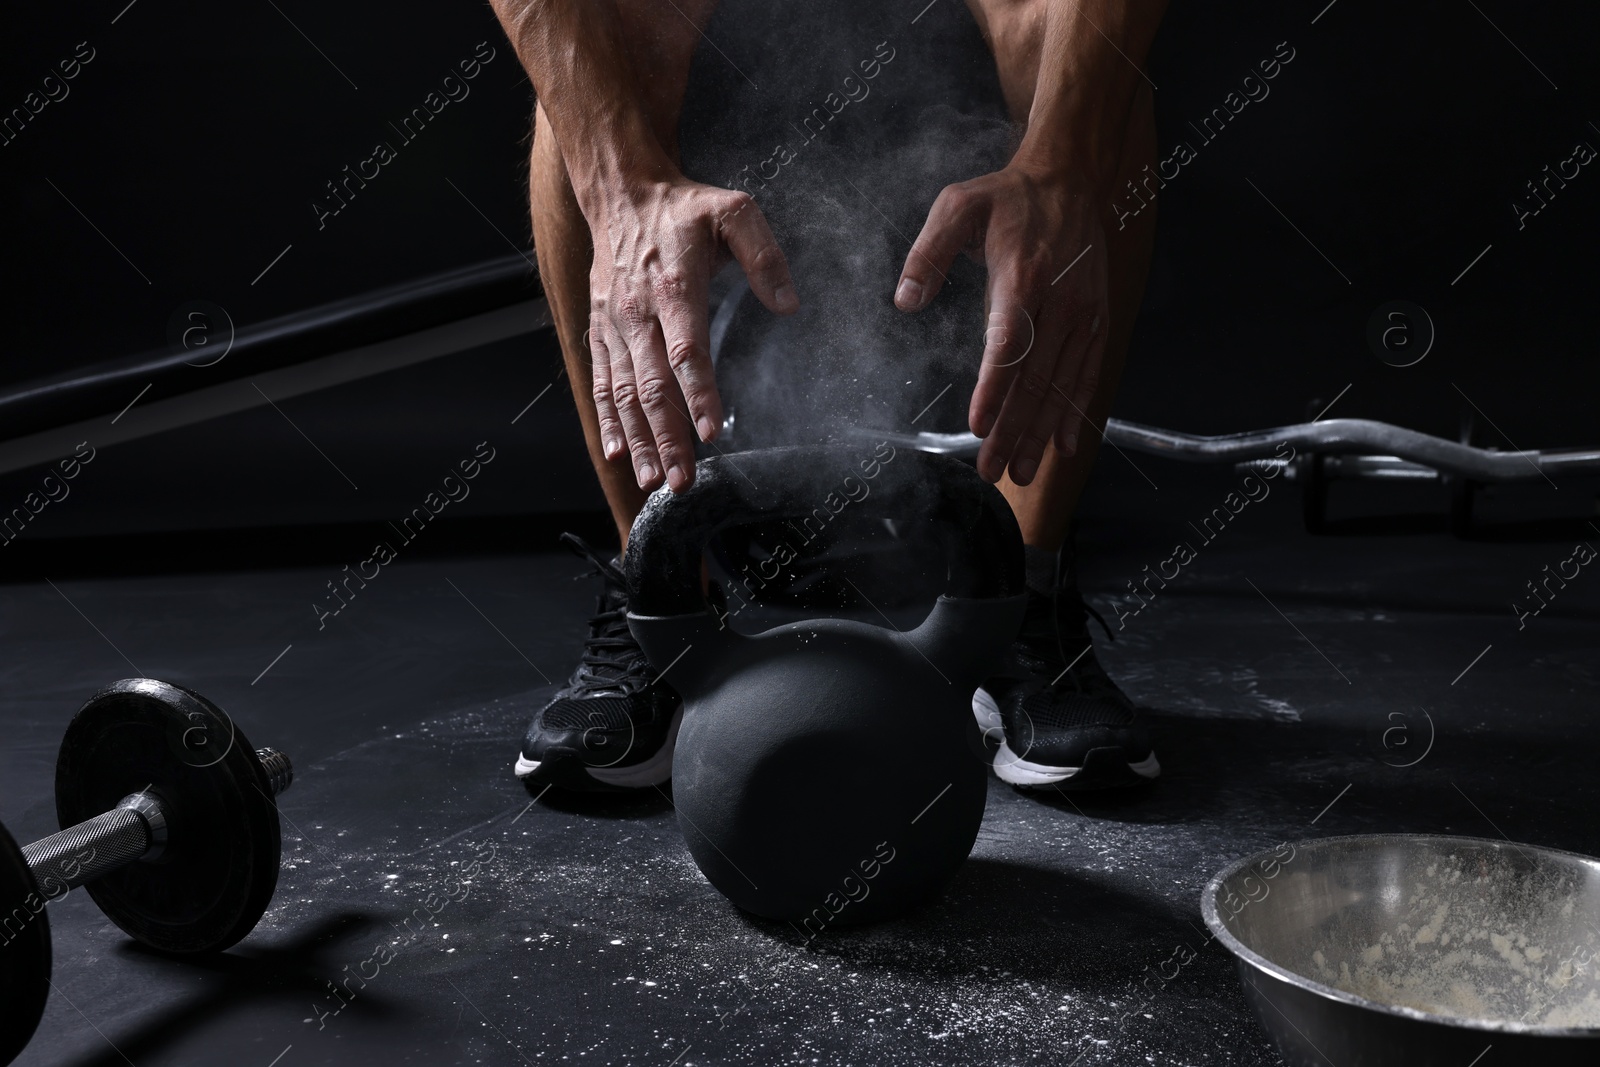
1040 237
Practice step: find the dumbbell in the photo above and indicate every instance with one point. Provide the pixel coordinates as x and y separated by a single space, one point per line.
169 824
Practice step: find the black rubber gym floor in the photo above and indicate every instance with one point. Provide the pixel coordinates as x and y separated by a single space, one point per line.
1302 687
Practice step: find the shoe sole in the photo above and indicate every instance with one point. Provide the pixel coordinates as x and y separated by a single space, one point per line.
656 770
1014 770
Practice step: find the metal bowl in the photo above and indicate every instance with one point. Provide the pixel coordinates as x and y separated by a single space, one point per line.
1416 950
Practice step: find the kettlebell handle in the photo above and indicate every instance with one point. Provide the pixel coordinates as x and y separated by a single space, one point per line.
983 545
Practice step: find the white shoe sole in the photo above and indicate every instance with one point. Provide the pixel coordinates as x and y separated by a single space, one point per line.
1014 770
654 771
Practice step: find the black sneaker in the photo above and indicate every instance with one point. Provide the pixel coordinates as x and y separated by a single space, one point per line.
1063 722
612 726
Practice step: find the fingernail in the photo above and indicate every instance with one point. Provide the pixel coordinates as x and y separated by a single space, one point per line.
704 426
1023 470
786 299
1071 443
675 478
611 448
983 424
647 474
909 295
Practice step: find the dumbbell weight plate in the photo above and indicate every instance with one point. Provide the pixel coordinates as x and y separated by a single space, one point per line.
213 880
24 951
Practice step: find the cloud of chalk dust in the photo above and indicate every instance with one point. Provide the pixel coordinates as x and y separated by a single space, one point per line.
844 120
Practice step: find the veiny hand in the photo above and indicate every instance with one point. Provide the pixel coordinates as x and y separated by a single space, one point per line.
1040 237
655 246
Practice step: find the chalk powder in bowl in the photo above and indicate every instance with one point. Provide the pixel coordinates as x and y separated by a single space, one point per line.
1455 929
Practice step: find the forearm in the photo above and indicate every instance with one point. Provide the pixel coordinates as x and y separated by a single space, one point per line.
584 78
1091 66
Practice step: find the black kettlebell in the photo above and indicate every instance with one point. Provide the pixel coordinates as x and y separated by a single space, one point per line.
827 772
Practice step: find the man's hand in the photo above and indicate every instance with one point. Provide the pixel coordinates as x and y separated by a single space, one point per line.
612 98
656 244
1073 68
1038 233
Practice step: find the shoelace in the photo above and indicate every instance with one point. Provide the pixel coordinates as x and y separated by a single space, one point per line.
612 659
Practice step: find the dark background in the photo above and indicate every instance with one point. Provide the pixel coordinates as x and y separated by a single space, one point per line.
198 137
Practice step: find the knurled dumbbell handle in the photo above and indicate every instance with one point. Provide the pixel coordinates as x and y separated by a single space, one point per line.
88 850
136 827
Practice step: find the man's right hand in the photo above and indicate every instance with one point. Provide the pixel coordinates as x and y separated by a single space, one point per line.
656 244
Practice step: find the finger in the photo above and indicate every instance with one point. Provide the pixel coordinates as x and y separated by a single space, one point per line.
745 232
1086 350
951 226
635 427
1085 383
658 394
686 329
1054 412
1017 440
1010 336
1012 348
612 440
